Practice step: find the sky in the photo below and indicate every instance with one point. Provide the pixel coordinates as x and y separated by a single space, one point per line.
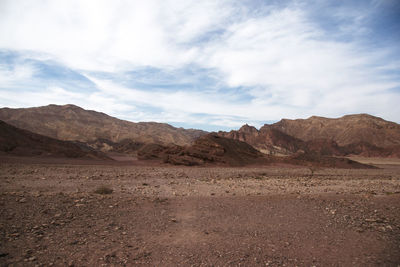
210 64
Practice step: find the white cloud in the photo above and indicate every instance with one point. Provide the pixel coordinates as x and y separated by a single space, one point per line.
109 35
171 102
17 74
61 96
287 64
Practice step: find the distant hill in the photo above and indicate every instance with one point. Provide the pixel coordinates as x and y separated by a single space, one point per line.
14 141
362 135
213 149
208 149
72 123
349 129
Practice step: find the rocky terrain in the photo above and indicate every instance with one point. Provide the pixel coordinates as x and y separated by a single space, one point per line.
349 129
208 149
214 150
14 141
362 135
55 214
72 123
266 140
249 198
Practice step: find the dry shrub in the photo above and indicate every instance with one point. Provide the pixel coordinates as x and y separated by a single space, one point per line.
103 190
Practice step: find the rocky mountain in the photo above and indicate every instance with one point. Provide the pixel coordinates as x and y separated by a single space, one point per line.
344 131
208 149
72 123
14 141
266 140
362 135
213 149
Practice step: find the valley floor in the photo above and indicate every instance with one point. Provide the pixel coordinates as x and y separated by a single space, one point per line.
198 216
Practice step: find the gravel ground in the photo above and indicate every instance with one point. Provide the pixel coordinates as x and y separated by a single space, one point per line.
57 215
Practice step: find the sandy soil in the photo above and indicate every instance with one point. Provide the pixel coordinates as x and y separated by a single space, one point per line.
186 216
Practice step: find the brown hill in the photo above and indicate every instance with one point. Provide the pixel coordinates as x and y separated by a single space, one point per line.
213 149
14 141
270 140
346 130
73 123
208 149
274 142
266 140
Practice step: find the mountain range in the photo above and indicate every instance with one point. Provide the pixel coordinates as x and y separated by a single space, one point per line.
361 134
72 123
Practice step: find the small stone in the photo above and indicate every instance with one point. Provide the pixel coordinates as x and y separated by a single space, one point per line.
33 258
22 200
174 220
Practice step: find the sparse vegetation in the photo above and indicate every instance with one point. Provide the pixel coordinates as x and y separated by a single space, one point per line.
313 169
103 190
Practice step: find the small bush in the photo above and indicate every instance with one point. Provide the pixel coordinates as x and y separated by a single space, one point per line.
103 190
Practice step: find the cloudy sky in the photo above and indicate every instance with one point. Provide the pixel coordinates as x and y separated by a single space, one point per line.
203 64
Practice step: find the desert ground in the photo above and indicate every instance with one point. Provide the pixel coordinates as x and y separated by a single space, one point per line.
60 213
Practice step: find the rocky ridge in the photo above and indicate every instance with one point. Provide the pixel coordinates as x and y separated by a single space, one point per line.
72 123
362 135
349 129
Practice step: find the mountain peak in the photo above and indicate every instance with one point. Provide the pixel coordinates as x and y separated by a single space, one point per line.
248 128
